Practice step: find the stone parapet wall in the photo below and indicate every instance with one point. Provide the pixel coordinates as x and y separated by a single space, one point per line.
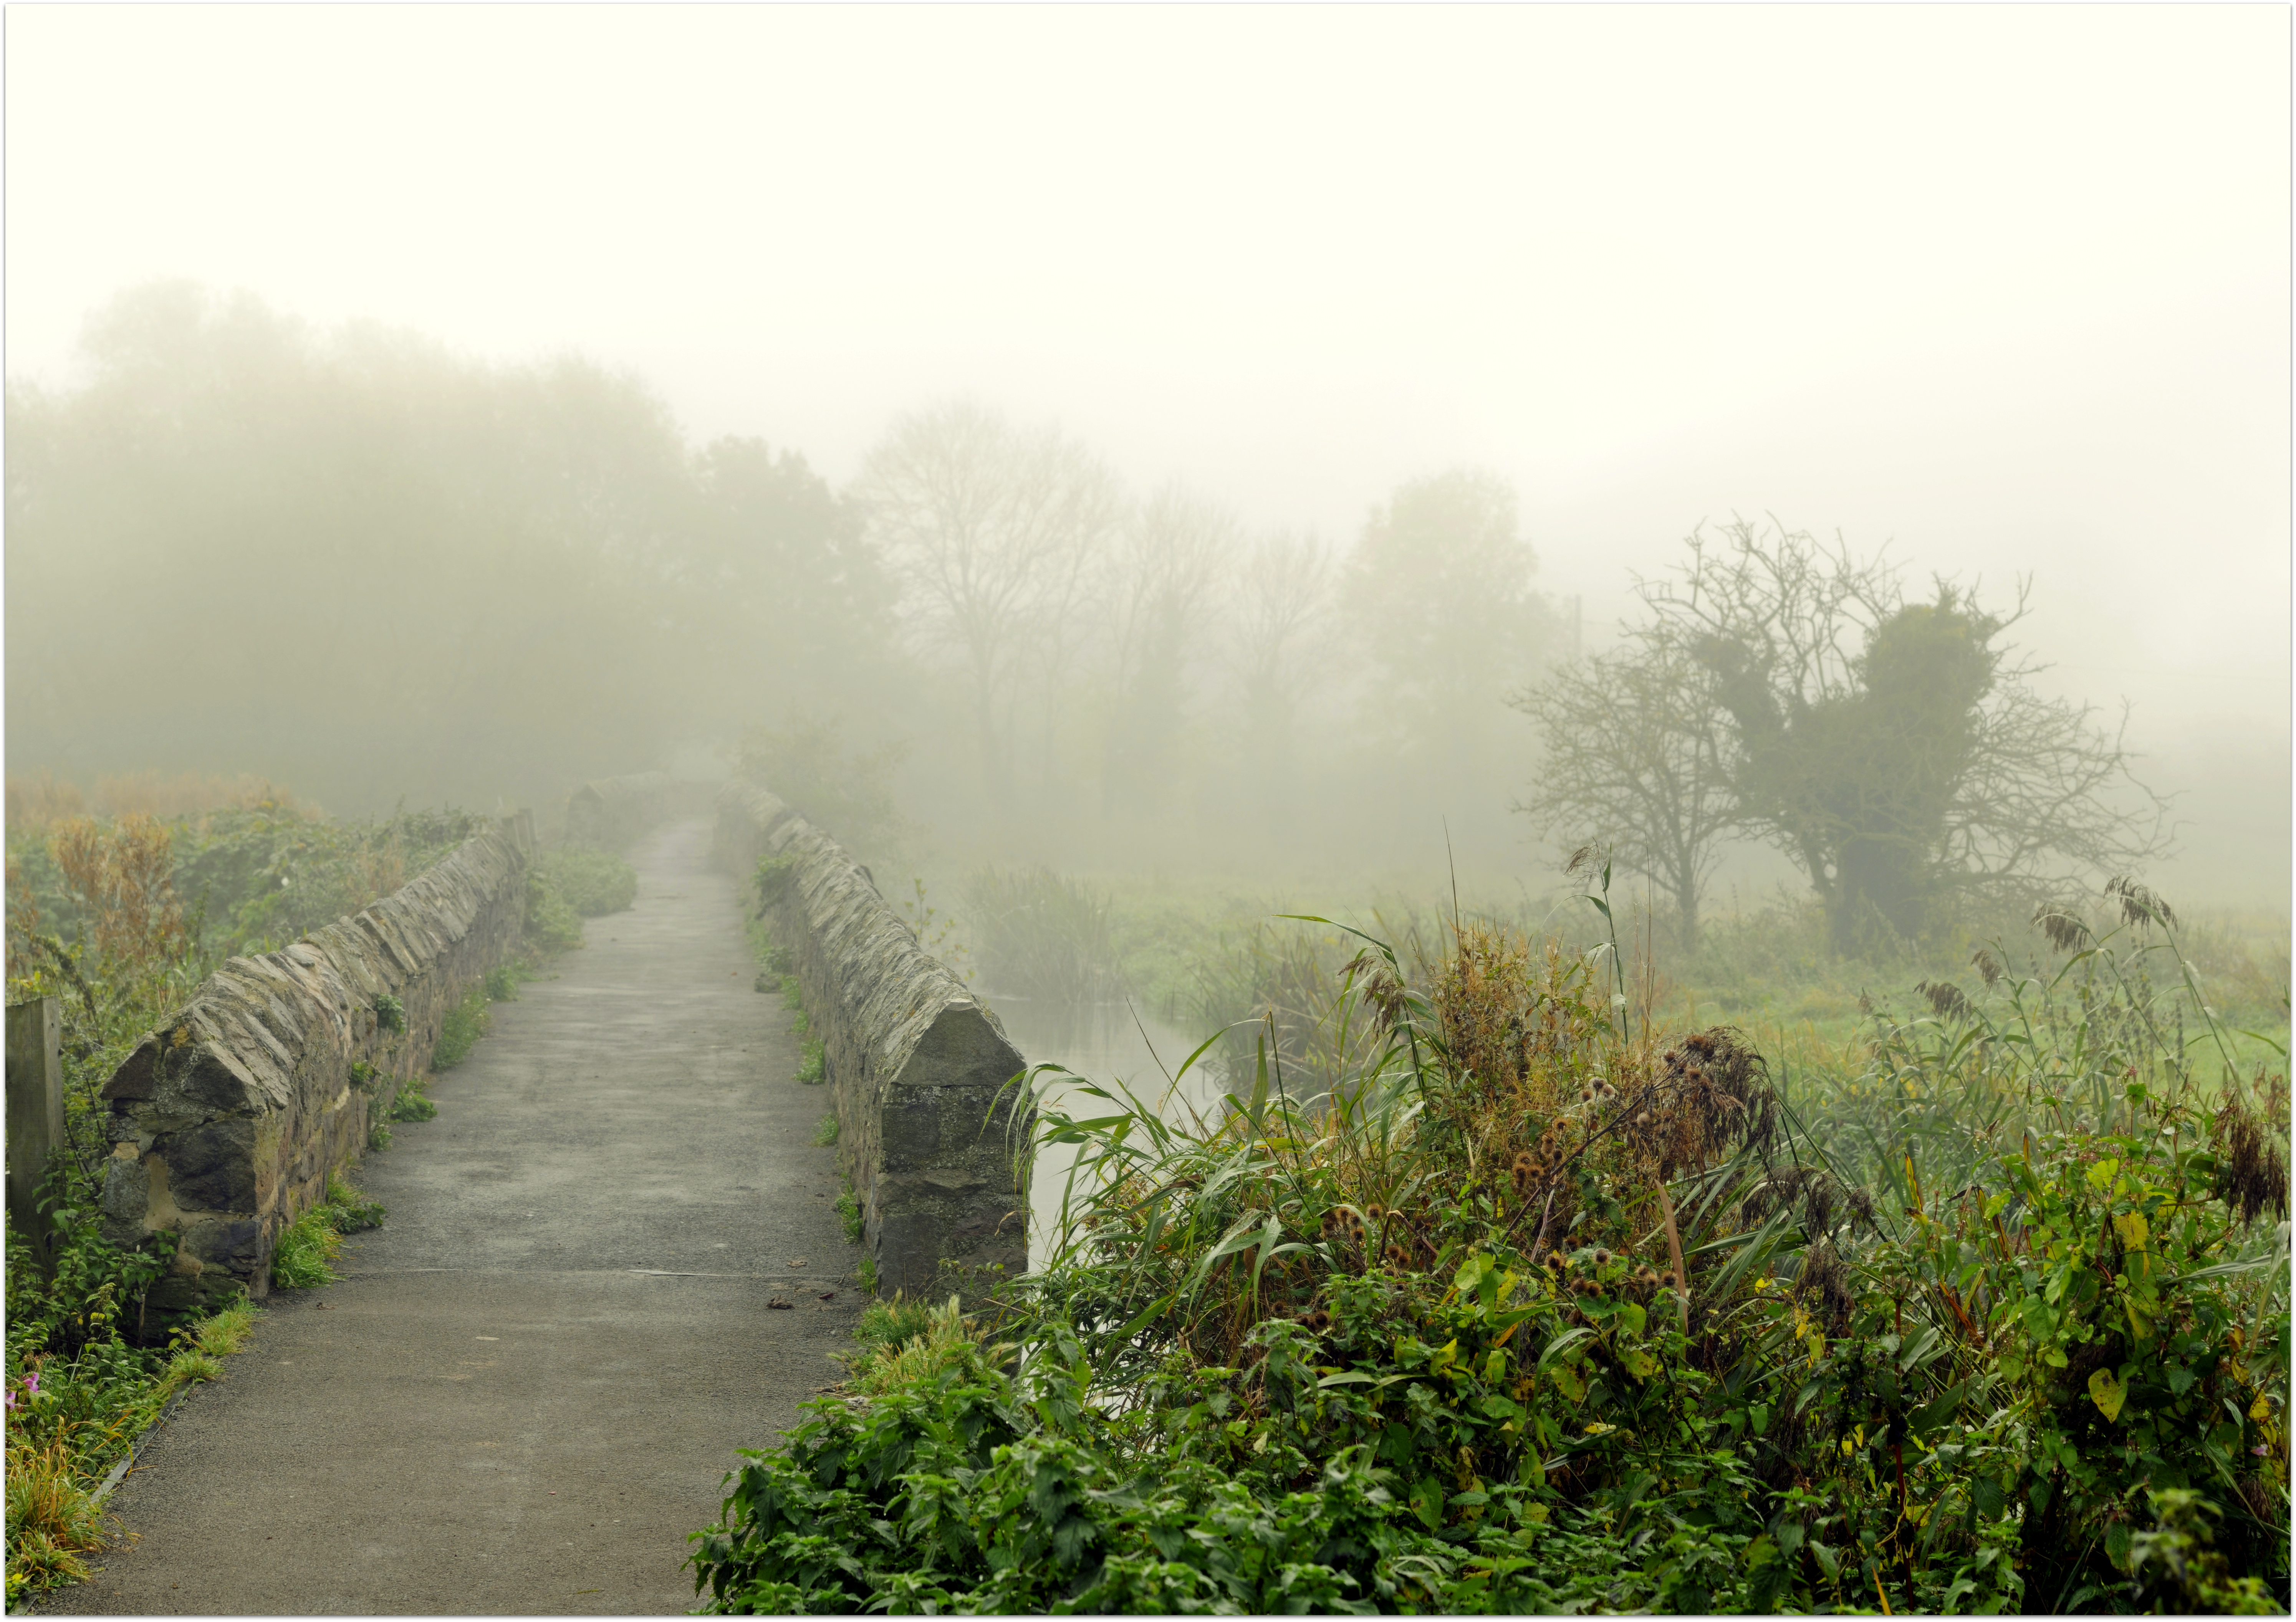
226 1121
919 1070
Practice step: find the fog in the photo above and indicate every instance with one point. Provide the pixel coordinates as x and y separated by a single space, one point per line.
457 403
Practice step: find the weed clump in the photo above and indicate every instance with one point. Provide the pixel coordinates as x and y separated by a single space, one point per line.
459 1032
304 1257
593 883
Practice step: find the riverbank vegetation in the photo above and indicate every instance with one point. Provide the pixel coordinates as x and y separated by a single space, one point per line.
1494 1291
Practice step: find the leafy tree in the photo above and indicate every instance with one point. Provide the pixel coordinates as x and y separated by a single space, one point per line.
1632 749
792 607
1439 590
1895 750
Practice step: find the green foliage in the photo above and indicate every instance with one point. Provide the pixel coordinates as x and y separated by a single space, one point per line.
390 1013
886 1325
86 1291
69 1418
1507 1307
304 1255
502 983
592 882
460 1030
866 1274
552 925
825 1130
813 1069
848 1212
775 878
413 1103
354 1212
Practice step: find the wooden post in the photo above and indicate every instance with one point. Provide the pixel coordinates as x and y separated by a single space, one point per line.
36 1109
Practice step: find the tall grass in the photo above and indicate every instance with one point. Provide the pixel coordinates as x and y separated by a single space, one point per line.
1038 934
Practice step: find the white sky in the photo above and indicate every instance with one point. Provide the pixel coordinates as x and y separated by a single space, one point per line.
2009 286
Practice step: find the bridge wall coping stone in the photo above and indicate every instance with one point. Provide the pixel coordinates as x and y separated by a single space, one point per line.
919 1070
226 1121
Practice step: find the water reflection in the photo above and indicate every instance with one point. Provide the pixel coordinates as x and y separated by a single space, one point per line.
1105 1042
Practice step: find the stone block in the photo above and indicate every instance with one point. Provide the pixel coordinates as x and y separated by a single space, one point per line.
212 1167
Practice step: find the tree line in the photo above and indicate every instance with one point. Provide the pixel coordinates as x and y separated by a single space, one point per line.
361 564
366 566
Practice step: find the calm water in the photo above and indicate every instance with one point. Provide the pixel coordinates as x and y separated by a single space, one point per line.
1102 1042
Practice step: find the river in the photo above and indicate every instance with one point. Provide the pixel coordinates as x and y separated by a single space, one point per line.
1102 1042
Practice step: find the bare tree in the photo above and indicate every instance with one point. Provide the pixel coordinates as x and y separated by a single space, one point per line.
1633 758
993 533
1893 748
1283 589
1167 572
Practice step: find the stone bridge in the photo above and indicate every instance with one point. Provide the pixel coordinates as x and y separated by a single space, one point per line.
612 1259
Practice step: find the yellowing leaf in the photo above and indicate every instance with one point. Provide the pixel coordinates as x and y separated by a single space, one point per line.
2107 1393
1641 1364
2261 1408
2133 1230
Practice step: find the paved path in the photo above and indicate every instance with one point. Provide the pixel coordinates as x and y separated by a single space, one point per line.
494 1411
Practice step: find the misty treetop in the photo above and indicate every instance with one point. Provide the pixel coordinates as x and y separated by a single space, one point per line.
360 563
355 560
1895 750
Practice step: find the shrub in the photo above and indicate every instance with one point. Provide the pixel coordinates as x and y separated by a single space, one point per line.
550 924
825 1130
459 1032
592 883
502 983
